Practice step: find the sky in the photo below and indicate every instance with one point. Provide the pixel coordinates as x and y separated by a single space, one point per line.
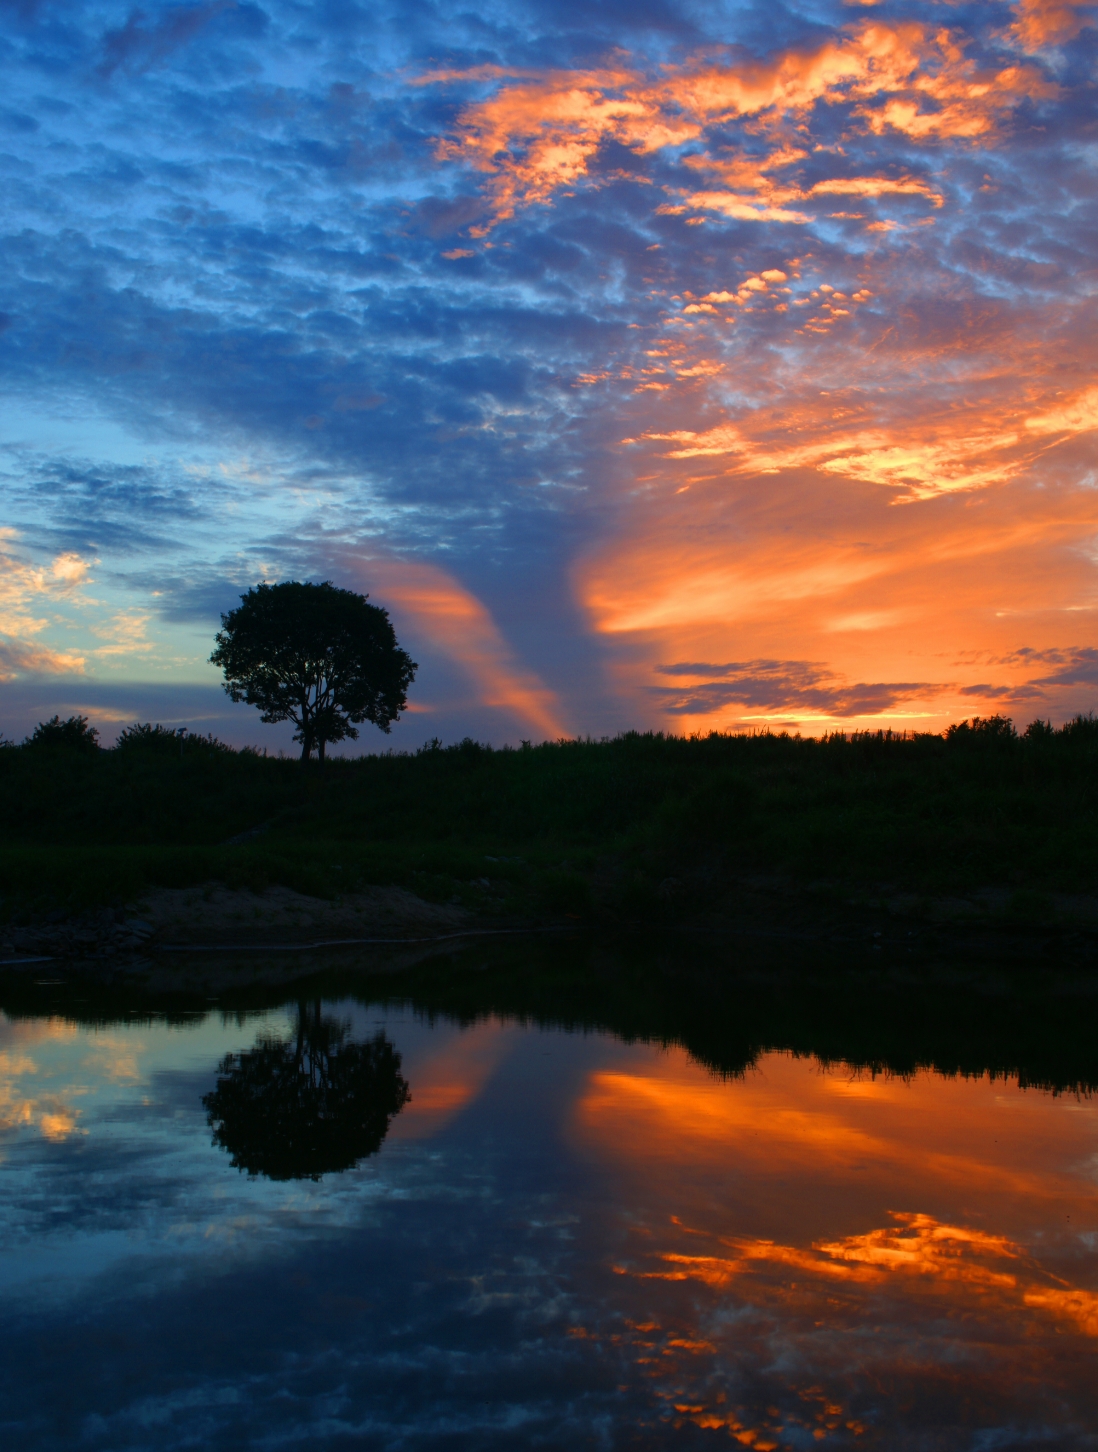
656 364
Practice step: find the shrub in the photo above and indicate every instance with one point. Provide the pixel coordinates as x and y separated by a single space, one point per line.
1039 731
164 741
161 739
73 734
982 731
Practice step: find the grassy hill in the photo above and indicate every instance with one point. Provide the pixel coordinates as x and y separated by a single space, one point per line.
643 824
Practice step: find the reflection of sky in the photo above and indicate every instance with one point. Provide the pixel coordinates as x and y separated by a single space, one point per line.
563 1237
656 363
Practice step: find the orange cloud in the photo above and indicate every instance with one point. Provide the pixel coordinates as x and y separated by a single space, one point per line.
1076 415
457 623
809 569
445 1082
875 186
538 135
25 589
1042 23
921 468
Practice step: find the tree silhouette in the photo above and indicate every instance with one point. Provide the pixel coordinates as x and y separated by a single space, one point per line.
312 1105
73 734
319 656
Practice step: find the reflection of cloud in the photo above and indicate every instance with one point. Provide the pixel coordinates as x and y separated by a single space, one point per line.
766 1236
50 1114
449 1080
114 1059
915 1245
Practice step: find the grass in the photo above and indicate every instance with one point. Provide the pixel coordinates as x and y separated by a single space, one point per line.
641 824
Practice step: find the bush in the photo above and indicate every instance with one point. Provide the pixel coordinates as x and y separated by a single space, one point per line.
161 739
982 731
1039 731
73 735
164 741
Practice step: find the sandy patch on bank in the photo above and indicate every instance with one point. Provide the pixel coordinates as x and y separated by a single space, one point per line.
217 914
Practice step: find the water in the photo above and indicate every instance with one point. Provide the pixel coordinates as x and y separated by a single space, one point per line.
540 1236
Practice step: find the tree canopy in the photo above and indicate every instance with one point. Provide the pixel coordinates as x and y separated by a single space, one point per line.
73 734
319 656
312 1105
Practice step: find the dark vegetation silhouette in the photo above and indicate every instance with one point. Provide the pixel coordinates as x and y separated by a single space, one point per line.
316 655
725 1008
72 735
643 824
311 1105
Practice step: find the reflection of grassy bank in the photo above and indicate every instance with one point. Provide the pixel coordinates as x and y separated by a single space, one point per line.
725 1010
642 826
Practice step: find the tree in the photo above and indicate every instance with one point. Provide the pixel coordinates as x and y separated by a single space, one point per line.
316 655
72 735
312 1105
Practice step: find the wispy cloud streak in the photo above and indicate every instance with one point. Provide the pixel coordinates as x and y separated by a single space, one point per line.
676 336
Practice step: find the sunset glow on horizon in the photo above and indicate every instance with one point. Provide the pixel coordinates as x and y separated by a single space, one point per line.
656 366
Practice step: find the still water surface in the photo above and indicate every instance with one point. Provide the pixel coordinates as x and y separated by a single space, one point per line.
544 1238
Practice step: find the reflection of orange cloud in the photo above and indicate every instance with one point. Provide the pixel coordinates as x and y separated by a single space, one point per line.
114 1059
53 1118
457 623
762 1234
670 1113
50 1114
677 1112
952 1256
445 1083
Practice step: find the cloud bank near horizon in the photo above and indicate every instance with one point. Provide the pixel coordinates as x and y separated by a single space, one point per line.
592 340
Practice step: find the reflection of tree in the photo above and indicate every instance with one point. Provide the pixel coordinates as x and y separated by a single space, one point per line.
314 1104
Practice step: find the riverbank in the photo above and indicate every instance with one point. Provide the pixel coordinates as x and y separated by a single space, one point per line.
980 831
874 1009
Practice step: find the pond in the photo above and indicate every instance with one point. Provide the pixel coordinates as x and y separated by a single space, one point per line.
341 1218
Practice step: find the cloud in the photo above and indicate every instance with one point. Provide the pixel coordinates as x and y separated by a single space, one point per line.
535 137
1042 23
23 658
26 590
456 622
280 292
792 687
138 45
